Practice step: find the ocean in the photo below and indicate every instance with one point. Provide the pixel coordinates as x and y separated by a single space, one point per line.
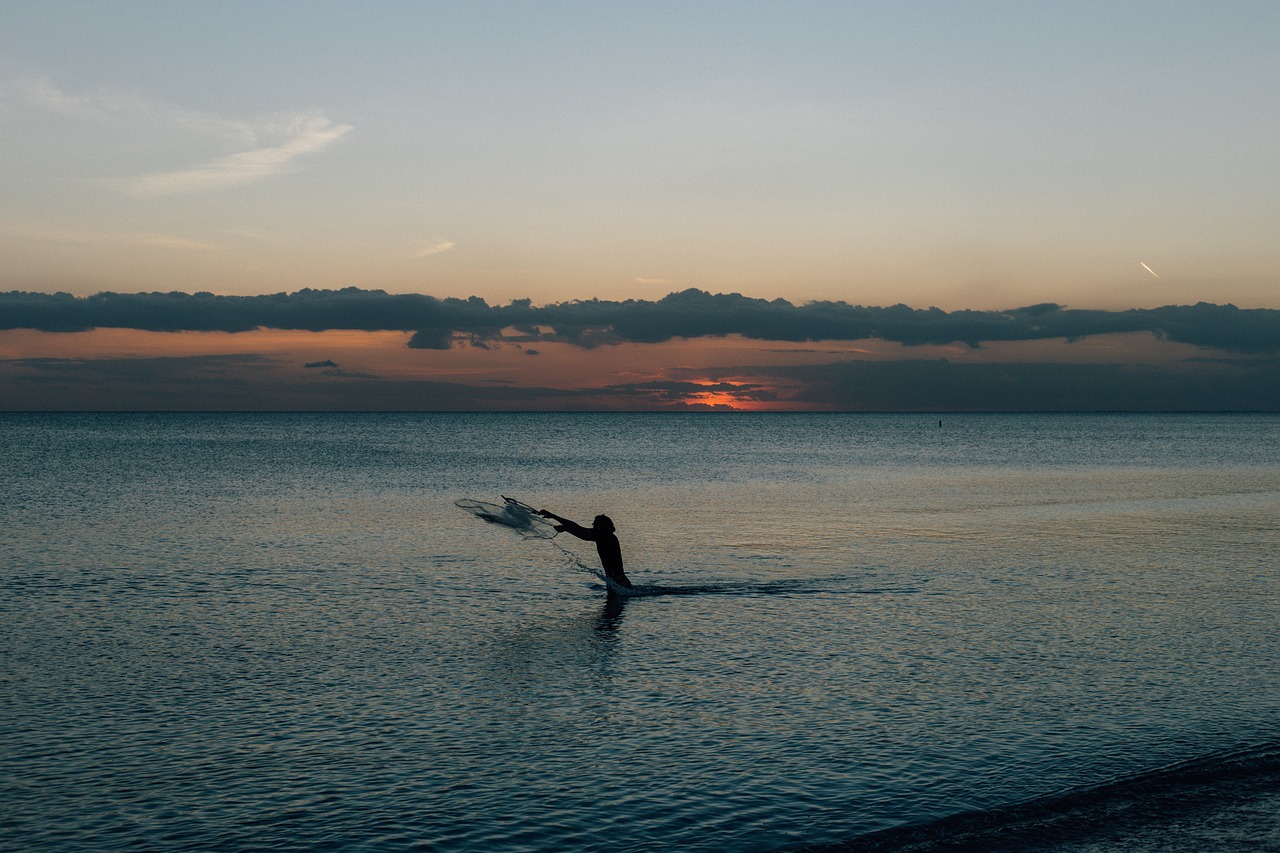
276 632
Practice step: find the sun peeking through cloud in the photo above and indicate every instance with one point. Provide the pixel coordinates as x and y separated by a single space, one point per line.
732 396
715 396
473 359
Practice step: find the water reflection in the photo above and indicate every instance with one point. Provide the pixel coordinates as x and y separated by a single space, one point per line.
610 618
554 656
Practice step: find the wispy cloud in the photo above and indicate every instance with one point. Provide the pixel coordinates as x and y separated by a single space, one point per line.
435 247
254 149
662 281
306 135
128 112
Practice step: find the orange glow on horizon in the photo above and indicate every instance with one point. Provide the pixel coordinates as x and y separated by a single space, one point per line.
352 368
714 398
722 398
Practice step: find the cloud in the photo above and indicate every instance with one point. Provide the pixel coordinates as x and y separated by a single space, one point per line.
443 323
145 383
325 363
258 149
670 392
131 112
248 382
251 382
304 135
939 385
434 248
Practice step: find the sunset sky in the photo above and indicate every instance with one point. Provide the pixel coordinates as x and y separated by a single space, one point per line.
981 156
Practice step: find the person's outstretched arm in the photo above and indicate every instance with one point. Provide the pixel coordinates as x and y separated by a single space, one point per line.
569 527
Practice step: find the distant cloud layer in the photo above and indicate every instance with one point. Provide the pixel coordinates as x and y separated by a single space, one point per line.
439 323
940 385
251 382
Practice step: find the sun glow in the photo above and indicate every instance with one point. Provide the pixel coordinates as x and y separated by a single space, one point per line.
714 398
721 395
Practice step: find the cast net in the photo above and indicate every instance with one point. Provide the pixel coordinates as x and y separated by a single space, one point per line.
524 520
512 514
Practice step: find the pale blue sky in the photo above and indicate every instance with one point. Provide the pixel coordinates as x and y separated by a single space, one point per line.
982 155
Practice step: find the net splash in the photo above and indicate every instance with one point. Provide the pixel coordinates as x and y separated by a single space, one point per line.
524 520
512 514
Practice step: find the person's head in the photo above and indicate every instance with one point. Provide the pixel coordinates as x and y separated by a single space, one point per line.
603 522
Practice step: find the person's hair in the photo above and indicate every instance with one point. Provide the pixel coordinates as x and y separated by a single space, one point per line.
604 521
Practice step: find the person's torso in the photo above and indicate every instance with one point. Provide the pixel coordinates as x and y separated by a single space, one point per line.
610 551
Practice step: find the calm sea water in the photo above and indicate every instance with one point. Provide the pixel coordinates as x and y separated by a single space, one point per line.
277 632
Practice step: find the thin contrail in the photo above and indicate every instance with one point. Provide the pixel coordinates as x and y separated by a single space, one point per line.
1148 269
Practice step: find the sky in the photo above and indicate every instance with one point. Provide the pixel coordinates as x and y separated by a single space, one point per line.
968 157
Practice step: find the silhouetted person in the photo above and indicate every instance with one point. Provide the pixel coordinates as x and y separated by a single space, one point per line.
600 532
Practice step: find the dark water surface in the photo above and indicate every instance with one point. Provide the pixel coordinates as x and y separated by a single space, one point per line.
277 632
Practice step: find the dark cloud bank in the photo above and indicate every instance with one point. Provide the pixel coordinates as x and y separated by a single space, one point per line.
438 323
1239 371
